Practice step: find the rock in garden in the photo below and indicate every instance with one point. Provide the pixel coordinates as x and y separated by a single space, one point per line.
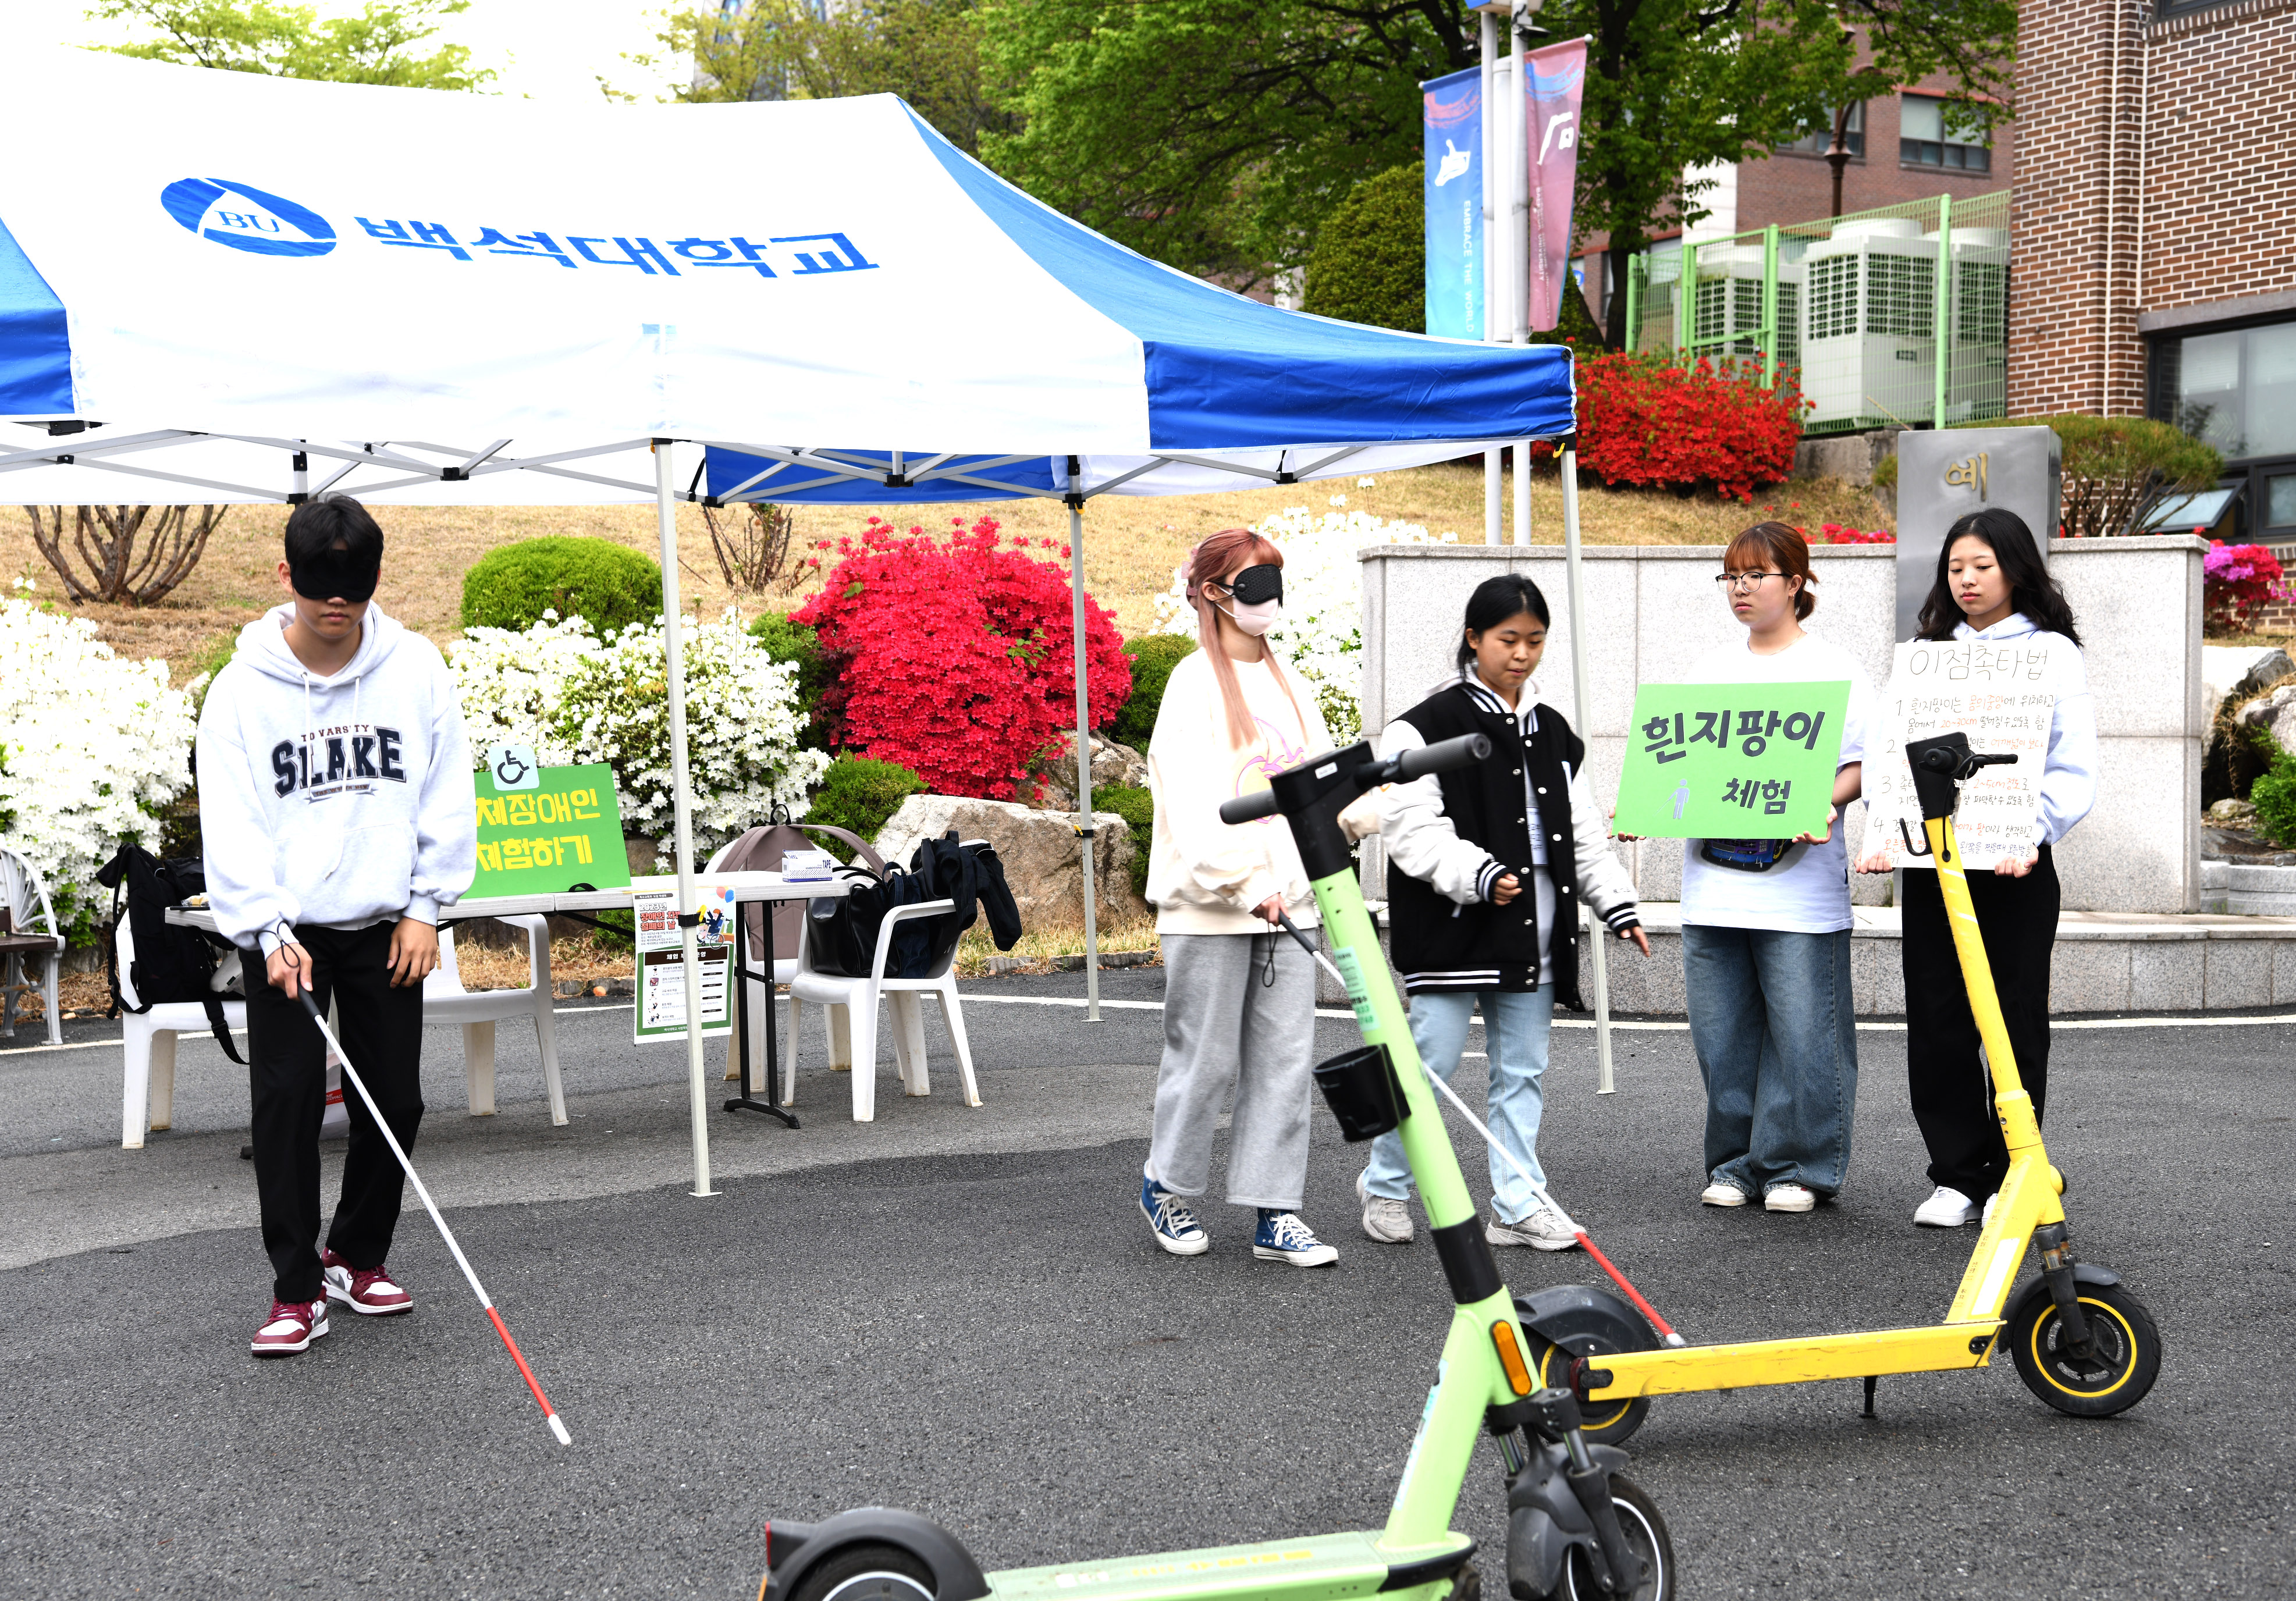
1042 856
1112 763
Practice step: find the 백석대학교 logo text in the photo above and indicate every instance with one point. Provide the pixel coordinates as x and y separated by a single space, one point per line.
247 218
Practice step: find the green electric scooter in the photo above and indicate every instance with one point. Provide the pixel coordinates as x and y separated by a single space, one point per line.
1575 1528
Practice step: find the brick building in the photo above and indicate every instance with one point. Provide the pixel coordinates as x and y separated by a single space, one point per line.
1900 150
2155 231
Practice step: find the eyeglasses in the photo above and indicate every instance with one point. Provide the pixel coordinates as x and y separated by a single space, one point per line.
1743 581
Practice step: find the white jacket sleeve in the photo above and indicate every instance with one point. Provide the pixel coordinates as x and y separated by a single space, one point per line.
447 816
1421 840
1603 881
2069 778
252 907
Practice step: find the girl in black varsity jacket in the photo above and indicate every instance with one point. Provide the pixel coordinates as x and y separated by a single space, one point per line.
1485 864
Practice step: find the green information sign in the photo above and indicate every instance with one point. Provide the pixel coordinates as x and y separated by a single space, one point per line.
565 829
1731 761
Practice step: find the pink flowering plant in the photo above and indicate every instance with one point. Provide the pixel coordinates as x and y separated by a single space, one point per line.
2236 581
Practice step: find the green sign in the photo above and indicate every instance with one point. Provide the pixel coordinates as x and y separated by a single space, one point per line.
1731 761
565 831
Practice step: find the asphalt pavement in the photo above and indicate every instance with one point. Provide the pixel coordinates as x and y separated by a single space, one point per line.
959 1311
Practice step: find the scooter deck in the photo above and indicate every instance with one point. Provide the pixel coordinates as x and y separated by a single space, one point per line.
1322 1565
1938 1347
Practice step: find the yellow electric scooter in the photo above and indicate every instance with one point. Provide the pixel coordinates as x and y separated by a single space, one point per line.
2081 1340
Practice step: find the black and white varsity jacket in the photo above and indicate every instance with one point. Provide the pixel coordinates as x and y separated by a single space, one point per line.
1451 836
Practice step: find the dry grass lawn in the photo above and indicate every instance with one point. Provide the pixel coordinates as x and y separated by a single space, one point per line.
1131 544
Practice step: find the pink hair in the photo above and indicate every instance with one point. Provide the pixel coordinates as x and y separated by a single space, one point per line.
1231 551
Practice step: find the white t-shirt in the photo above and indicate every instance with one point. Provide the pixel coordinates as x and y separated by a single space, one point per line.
1807 890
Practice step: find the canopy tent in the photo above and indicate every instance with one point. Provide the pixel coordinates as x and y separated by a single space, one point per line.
261 290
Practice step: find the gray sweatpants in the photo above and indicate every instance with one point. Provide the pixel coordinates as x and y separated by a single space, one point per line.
1224 1028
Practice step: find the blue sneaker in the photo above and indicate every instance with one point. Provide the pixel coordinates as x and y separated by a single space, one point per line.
1176 1229
1284 1237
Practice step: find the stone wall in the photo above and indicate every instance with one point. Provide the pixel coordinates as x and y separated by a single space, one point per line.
1654 612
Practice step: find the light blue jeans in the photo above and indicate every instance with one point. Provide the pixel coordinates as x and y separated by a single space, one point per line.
1775 1031
1516 1024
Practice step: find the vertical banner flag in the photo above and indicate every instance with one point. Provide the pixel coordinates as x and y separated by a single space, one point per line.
1558 75
1453 184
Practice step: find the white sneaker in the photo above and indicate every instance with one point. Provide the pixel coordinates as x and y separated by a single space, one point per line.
1989 1206
1386 1221
1789 1198
1722 1194
1542 1231
1946 1208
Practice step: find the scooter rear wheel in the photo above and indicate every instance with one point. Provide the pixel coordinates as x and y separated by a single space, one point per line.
2125 1360
1645 1532
870 1572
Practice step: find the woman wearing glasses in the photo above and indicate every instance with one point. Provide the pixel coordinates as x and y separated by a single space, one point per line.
1766 923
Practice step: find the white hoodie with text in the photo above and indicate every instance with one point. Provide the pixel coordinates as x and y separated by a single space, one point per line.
340 801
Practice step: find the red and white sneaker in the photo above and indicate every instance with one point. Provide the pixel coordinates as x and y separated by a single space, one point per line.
368 1291
290 1327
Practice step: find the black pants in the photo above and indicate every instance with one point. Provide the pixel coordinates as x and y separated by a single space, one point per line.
1952 1096
382 1028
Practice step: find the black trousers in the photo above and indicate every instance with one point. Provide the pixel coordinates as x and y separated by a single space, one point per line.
381 1029
1952 1094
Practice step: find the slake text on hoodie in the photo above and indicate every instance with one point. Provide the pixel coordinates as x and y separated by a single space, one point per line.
339 801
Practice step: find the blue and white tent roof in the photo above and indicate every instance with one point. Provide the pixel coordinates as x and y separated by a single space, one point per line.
226 268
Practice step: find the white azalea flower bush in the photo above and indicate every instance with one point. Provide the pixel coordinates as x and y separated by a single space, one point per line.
1321 631
93 745
578 697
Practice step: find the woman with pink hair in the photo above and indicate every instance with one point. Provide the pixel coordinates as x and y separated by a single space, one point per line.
1239 996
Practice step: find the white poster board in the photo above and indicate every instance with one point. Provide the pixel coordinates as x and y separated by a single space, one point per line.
2002 693
660 1010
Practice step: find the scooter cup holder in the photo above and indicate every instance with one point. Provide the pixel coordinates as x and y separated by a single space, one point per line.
1362 1090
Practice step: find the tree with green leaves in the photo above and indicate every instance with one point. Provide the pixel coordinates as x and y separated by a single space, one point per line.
927 51
1216 136
380 46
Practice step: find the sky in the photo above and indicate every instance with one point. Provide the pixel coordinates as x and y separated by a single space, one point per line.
544 49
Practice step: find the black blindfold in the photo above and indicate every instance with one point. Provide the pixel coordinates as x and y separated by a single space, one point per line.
1255 585
335 576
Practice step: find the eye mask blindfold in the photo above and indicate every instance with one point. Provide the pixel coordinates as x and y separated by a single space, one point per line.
1256 585
335 576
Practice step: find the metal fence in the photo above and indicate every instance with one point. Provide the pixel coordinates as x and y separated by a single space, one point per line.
1897 314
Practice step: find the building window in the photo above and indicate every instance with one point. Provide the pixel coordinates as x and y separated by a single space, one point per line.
2236 390
1924 138
1820 139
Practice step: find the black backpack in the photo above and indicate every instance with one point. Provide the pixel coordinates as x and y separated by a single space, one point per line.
172 963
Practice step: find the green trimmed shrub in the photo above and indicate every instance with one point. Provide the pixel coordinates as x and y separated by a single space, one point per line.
1138 808
610 585
859 794
2275 798
1369 264
819 691
1153 658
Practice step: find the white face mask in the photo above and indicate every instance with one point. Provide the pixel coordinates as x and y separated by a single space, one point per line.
1256 620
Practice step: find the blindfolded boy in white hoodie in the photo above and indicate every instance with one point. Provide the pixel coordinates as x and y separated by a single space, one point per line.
339 817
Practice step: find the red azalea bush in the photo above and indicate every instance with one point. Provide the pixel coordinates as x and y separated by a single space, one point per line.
957 655
1647 423
1842 533
2235 579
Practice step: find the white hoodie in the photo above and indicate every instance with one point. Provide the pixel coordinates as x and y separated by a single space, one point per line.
338 802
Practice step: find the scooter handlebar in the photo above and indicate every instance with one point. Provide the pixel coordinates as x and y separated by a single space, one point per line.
1443 757
1249 808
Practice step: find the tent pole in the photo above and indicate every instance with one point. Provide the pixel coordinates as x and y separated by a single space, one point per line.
1600 945
1085 832
1491 498
681 813
1488 40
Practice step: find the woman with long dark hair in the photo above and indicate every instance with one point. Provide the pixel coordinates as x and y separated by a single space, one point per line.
1488 865
1992 585
1239 996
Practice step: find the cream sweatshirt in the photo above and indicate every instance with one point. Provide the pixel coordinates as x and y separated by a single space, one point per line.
1205 875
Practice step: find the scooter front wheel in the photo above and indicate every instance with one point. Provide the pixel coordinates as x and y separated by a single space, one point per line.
871 1571
2123 1362
1646 1537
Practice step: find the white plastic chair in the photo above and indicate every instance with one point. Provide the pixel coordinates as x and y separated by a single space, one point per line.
445 1000
148 1098
30 917
852 1018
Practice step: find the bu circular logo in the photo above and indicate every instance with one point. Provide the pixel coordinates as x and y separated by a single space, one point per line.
247 218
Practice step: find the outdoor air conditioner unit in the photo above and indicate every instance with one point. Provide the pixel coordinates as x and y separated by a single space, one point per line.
1868 333
1977 365
1730 307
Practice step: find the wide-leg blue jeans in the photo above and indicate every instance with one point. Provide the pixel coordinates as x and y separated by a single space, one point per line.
1772 1022
1516 1024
